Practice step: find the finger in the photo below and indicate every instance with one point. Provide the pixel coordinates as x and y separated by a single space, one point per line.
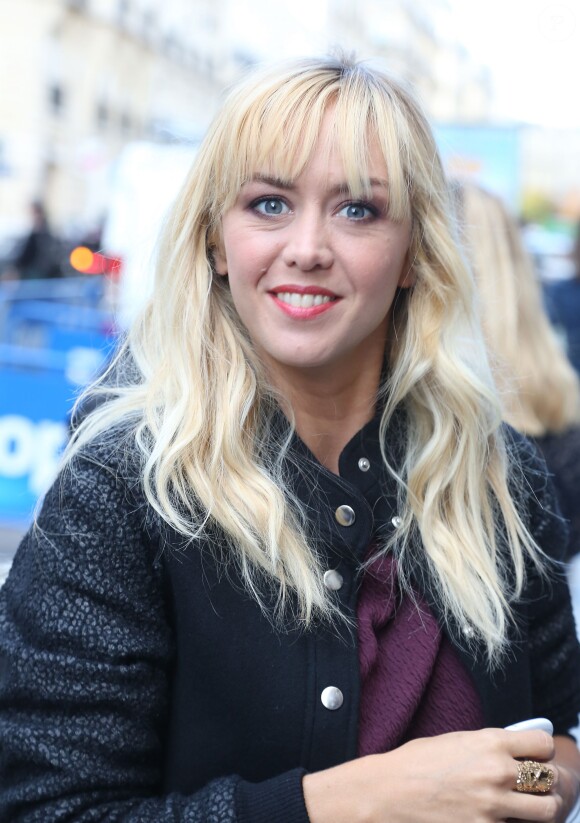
523 806
532 745
529 807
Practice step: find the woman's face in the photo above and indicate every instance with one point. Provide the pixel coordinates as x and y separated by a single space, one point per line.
312 272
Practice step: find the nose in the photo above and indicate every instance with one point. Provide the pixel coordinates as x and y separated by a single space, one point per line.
308 245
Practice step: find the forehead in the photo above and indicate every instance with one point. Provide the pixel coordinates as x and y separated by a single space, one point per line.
355 160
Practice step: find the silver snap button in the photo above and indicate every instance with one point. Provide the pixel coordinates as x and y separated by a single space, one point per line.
397 521
333 580
345 515
364 464
468 631
332 698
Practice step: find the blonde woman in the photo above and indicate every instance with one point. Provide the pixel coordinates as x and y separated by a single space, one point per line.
539 387
294 569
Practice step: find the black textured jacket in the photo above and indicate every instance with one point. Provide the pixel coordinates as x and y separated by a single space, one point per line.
139 681
562 455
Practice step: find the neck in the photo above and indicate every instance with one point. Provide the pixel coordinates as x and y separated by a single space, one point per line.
329 406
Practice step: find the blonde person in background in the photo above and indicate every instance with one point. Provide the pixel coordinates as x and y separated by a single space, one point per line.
539 387
295 568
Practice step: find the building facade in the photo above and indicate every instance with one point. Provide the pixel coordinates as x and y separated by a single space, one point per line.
88 77
409 35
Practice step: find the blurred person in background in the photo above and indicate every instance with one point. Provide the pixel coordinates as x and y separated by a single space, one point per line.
295 568
539 387
37 256
563 304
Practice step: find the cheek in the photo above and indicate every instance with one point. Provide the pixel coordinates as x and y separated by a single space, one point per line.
248 257
380 272
378 284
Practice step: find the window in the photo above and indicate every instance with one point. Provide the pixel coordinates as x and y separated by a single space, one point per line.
126 122
148 24
123 9
56 98
102 114
170 45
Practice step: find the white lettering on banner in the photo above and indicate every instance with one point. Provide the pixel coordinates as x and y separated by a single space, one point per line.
31 448
16 445
50 439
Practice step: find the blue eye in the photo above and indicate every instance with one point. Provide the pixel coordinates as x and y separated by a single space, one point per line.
270 205
357 211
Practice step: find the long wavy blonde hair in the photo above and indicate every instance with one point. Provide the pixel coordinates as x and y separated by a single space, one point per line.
200 405
539 387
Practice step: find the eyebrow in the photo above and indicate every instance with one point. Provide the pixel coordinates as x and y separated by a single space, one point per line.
339 188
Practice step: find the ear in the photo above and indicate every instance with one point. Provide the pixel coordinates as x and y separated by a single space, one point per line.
220 262
216 250
408 277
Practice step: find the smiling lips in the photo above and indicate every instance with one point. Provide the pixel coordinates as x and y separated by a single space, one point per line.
304 301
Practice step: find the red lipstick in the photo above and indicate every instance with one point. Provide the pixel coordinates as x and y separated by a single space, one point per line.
282 296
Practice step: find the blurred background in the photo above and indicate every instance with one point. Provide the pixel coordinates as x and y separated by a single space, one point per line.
103 104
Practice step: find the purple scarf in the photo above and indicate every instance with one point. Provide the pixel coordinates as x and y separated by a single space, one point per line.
412 681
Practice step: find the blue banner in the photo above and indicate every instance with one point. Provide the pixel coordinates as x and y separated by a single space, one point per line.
486 155
33 430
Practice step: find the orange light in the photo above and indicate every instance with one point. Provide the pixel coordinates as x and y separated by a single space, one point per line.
81 258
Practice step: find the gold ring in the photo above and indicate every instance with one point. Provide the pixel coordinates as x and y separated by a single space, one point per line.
534 777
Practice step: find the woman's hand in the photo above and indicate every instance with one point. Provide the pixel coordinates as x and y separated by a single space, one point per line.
463 777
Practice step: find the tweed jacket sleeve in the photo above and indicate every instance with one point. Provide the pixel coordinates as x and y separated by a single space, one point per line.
85 653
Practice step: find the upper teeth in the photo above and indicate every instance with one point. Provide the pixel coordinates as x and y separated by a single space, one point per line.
303 301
